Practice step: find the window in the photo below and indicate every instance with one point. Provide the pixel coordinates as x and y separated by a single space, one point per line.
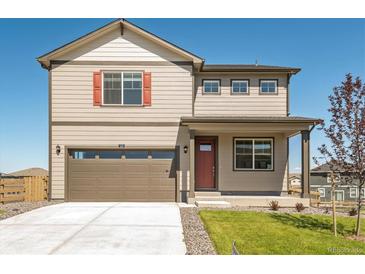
268 86
211 86
122 88
136 154
110 154
336 178
239 86
79 155
363 193
205 147
322 192
339 195
160 154
353 192
253 154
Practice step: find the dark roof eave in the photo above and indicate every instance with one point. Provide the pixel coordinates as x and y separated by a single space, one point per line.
211 120
248 68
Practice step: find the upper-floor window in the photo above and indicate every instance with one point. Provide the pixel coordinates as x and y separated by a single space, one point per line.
122 88
211 86
268 86
253 154
239 86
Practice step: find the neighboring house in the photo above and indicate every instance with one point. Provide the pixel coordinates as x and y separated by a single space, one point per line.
3 174
345 190
136 118
29 172
295 181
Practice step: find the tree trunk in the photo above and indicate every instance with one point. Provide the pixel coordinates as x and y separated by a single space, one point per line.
333 204
358 221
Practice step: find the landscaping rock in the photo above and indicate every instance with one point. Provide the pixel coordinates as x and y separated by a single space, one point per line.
12 209
196 238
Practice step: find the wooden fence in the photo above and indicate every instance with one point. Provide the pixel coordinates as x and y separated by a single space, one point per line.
29 189
314 196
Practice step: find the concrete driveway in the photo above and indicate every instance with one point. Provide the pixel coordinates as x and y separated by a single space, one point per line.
95 228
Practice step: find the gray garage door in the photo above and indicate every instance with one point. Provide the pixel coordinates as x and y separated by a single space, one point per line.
121 175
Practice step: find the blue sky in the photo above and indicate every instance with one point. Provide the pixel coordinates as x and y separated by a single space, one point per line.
325 50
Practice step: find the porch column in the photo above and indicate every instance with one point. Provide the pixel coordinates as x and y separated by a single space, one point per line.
192 164
305 163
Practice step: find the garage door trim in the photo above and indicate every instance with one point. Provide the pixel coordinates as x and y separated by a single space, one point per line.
67 156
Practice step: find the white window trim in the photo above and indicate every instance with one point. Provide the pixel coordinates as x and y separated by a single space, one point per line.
253 154
324 192
356 192
239 81
343 194
122 89
213 80
269 81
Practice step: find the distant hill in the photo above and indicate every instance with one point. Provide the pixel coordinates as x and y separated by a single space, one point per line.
34 171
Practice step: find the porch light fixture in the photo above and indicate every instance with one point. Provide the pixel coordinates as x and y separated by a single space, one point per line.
58 150
185 149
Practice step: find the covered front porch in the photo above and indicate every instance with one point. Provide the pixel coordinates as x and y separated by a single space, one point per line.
244 161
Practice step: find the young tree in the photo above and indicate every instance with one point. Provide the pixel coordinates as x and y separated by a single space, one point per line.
346 133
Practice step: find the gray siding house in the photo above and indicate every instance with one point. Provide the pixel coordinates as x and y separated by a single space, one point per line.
134 117
320 181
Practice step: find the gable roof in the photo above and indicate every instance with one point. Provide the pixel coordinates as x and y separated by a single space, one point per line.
35 171
325 168
45 59
295 175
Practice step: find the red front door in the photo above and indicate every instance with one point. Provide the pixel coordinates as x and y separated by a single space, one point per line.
205 163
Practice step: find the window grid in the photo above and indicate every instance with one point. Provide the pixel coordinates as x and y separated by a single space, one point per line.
268 86
131 77
211 86
242 86
253 154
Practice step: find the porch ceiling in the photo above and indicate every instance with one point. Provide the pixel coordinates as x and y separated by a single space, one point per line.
286 125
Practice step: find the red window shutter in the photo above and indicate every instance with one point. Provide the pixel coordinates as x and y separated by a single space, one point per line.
147 101
97 88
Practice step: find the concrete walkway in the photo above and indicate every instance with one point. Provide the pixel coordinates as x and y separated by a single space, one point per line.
95 228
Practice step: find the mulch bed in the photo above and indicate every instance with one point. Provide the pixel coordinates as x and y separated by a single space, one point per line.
12 209
196 238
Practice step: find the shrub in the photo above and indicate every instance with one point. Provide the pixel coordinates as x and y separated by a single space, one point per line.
299 207
274 205
353 212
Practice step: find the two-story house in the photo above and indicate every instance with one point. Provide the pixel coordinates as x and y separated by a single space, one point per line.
346 189
134 117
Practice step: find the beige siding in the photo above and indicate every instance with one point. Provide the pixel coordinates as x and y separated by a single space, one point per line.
111 136
230 180
172 97
114 47
72 94
253 104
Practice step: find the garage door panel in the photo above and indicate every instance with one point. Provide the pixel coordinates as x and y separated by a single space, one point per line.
131 180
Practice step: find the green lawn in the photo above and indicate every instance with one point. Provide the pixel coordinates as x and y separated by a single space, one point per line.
277 233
